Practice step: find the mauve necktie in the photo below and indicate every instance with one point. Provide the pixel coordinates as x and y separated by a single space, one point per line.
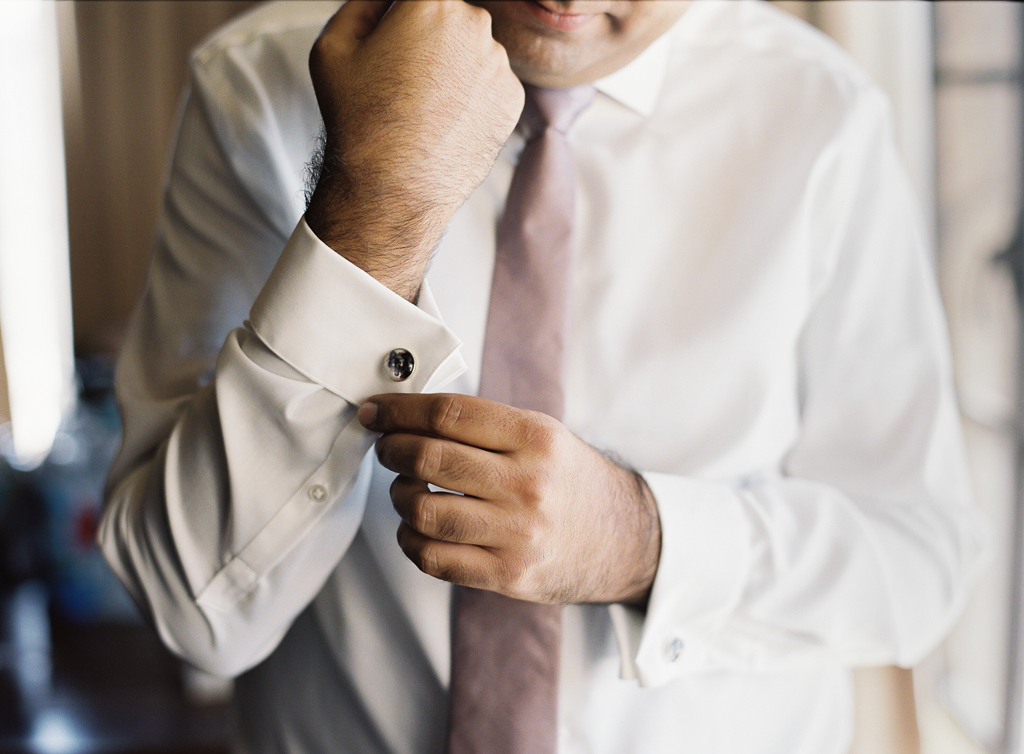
504 687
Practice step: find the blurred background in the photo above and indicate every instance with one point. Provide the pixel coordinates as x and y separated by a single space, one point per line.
91 91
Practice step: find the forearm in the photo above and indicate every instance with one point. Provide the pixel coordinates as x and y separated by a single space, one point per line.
416 105
392 245
632 563
229 506
778 573
228 528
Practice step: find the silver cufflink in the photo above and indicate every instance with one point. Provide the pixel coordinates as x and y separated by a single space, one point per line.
674 649
399 365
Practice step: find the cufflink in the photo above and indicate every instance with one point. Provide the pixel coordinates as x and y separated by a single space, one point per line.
399 365
674 649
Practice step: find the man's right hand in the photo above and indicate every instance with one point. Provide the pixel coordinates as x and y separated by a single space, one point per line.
417 101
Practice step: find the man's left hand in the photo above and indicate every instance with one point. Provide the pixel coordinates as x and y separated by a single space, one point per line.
541 515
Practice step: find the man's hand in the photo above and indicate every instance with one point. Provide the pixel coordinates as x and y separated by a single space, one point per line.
417 100
542 515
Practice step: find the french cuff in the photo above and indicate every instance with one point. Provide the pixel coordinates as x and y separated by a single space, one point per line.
346 331
702 571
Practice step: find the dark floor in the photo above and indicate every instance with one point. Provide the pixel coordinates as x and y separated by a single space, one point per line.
113 689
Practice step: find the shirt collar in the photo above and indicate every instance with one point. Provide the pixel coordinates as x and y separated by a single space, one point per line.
637 85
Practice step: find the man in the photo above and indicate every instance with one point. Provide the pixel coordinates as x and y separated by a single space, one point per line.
753 328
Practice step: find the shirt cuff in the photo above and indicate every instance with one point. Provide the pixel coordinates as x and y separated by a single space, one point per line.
337 325
702 572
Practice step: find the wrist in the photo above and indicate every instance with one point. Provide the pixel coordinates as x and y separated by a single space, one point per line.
629 559
375 232
648 544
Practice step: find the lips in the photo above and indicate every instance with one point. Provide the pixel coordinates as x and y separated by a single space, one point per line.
553 19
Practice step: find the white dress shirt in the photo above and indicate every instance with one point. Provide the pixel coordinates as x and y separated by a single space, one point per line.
755 326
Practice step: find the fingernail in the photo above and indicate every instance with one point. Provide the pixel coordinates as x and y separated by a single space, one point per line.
367 413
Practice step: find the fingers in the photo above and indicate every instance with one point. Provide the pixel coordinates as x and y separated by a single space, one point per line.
338 40
512 467
463 540
467 565
448 517
465 419
470 565
355 20
445 463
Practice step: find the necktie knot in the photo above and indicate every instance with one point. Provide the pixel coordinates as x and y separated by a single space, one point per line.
556 109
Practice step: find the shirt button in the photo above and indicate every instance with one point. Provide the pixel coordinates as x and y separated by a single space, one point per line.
674 649
317 493
399 365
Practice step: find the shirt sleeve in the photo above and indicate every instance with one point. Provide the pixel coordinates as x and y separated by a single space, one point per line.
238 488
860 548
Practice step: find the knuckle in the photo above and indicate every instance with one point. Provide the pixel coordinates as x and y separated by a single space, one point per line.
525 579
427 561
535 489
318 48
539 432
405 544
532 533
448 530
423 513
444 414
501 67
320 53
427 459
397 492
385 451
547 432
478 16
430 562
419 552
450 573
530 495
516 576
